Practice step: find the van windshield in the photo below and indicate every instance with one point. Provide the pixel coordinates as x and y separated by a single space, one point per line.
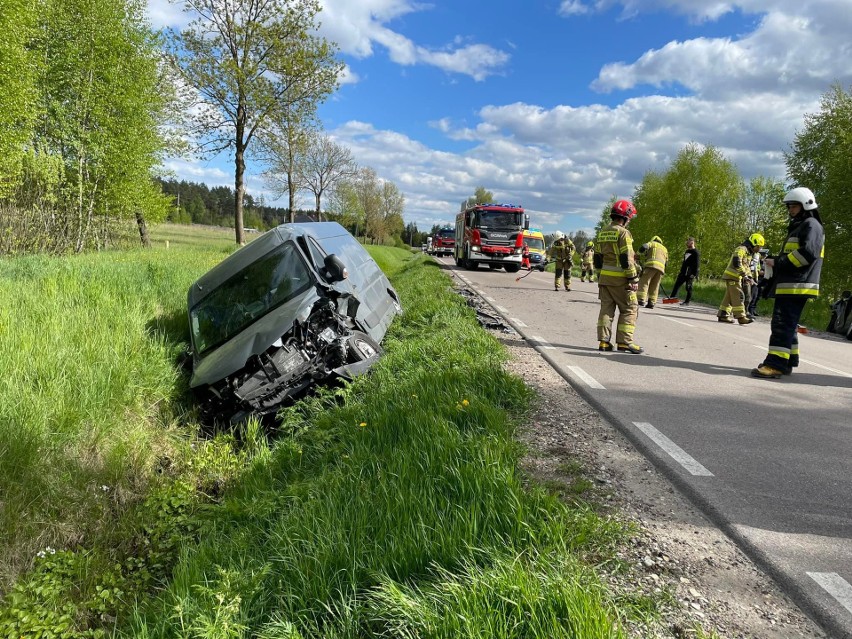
263 285
535 243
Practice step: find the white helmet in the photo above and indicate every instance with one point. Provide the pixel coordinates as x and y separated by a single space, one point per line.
558 235
803 196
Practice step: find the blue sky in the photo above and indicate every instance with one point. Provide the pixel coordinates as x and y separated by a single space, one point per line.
558 105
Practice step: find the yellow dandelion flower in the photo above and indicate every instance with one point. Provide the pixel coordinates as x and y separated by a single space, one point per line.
465 402
362 424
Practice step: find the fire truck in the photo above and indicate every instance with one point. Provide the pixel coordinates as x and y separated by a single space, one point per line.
491 234
444 241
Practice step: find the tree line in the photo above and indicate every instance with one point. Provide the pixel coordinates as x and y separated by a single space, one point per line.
701 194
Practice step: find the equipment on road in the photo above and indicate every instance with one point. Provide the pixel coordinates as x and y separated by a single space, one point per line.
520 277
668 299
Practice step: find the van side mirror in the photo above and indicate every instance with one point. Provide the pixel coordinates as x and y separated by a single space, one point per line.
335 270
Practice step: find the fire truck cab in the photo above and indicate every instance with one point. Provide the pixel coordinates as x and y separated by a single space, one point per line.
491 234
444 242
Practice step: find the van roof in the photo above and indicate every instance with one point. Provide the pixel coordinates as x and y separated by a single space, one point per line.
247 254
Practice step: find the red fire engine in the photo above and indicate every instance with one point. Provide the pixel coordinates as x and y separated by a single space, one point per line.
444 242
491 234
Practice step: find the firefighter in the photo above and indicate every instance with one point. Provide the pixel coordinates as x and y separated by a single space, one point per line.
561 253
525 257
653 268
617 280
587 262
796 280
737 274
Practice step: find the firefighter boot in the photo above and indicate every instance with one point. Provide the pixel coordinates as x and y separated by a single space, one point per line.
725 319
744 320
605 346
766 372
630 348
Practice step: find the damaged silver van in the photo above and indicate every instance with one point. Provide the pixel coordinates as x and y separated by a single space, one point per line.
300 304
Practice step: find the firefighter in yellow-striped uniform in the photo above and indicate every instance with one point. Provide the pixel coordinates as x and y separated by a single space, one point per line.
795 280
587 262
653 269
561 253
617 280
732 308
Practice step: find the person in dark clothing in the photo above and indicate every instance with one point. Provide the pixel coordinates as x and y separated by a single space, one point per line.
688 271
796 280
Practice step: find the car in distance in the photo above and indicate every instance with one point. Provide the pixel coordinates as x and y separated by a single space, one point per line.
302 303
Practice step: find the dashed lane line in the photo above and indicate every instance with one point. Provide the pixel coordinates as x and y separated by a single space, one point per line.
807 361
590 381
517 322
502 310
836 586
674 451
671 319
541 342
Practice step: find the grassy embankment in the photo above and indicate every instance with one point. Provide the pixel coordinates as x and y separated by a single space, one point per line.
391 507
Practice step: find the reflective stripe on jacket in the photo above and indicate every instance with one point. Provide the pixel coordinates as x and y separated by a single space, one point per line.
740 264
656 256
562 251
615 246
798 268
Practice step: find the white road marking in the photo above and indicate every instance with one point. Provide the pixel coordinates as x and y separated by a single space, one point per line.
590 381
502 310
807 361
488 299
541 342
517 322
675 451
671 319
836 586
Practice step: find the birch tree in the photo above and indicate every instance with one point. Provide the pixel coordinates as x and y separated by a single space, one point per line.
326 165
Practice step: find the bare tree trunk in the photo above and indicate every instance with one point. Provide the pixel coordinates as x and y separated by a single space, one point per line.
291 189
319 213
239 172
143 229
239 190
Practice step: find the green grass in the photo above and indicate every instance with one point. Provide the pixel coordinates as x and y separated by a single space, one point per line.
392 506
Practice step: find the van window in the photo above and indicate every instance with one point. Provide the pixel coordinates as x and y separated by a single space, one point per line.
263 285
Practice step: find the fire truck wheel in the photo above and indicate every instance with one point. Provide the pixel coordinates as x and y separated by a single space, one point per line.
512 268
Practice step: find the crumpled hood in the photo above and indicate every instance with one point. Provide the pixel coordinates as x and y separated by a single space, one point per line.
253 340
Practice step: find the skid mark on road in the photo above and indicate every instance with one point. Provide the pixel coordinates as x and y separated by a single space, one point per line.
836 586
674 451
590 381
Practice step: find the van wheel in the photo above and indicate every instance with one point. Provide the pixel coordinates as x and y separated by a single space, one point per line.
360 346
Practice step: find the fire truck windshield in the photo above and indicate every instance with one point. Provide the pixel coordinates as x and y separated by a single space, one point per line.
447 233
499 219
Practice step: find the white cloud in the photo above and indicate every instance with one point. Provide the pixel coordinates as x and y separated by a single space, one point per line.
785 55
574 8
357 26
166 14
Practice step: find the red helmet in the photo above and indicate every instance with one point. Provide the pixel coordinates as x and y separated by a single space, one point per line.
623 208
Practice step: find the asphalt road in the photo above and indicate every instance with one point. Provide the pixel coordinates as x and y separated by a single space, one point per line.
769 461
